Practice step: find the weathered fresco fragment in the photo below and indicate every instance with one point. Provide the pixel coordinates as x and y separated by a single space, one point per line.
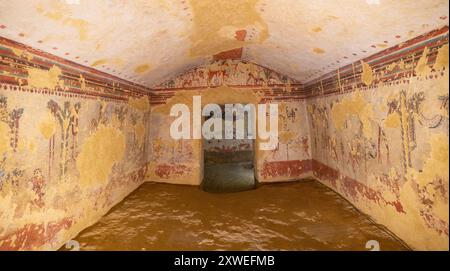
72 145
380 137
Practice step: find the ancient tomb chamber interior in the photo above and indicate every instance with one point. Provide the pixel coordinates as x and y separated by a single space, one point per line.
362 151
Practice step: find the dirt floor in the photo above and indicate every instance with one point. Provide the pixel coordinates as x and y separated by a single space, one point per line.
303 215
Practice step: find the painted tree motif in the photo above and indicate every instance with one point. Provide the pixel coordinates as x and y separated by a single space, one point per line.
67 117
410 110
11 118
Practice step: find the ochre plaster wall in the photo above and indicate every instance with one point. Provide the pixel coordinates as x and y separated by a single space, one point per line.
379 132
72 144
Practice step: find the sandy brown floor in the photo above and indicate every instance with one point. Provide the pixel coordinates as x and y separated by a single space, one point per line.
303 215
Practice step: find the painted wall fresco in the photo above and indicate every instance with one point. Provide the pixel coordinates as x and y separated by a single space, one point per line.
227 72
228 145
380 134
229 150
73 143
291 159
222 82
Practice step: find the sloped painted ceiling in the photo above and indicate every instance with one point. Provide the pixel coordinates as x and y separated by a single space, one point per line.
148 41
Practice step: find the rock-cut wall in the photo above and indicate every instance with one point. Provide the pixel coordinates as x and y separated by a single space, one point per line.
72 144
379 130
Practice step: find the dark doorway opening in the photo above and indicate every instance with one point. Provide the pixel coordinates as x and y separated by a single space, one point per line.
228 163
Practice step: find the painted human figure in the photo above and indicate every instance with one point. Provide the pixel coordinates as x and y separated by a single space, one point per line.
38 183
